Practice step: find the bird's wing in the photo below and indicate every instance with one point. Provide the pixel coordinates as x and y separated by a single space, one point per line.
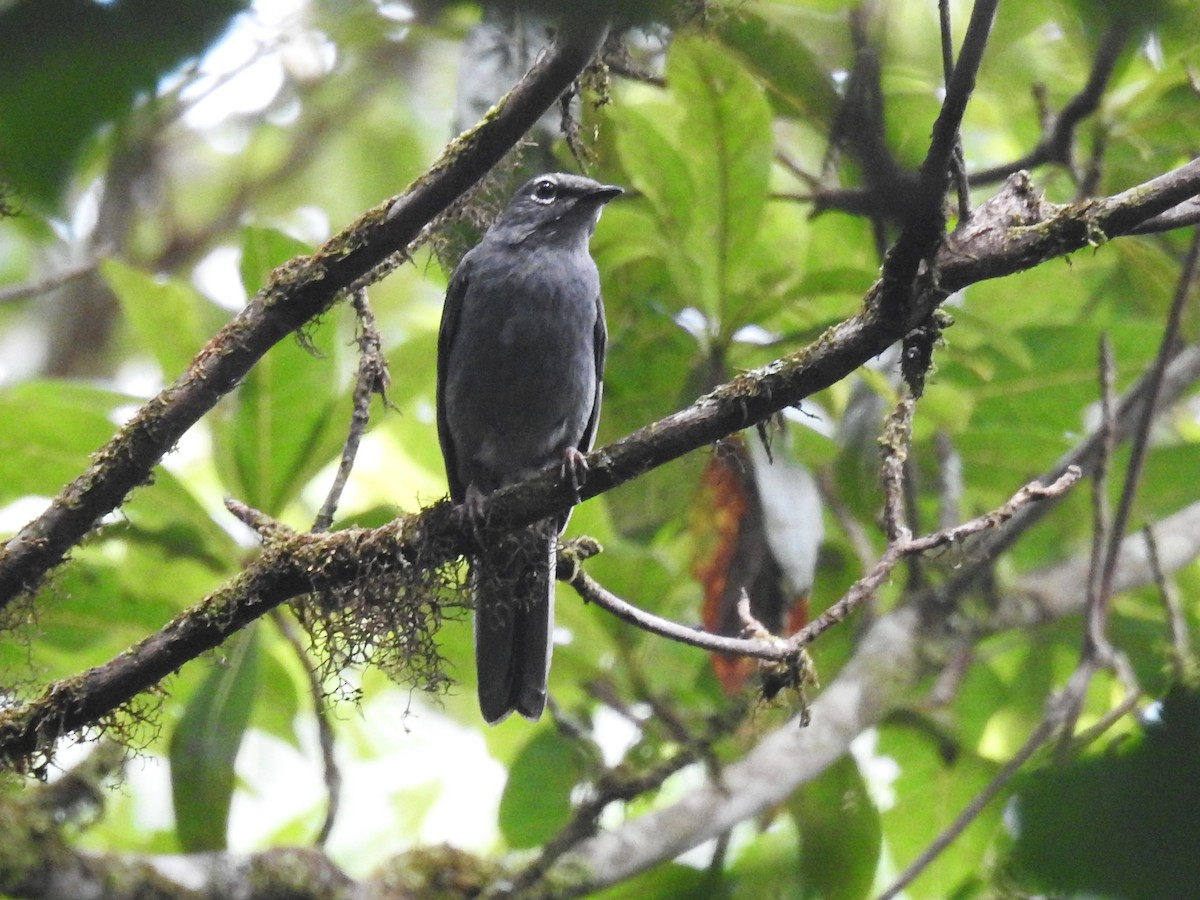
451 313
600 348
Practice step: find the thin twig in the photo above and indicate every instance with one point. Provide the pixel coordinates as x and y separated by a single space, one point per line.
1097 651
801 174
267 528
950 679
1168 348
1183 662
1101 515
331 773
1127 704
866 586
972 810
895 444
957 165
959 87
1182 374
626 69
1180 216
775 650
52 282
593 592
1089 181
615 785
925 222
1032 491
373 378
1058 138
1060 711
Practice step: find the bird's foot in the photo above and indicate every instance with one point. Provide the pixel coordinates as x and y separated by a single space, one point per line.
574 470
472 504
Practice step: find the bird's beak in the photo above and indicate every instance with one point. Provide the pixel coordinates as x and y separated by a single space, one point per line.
607 192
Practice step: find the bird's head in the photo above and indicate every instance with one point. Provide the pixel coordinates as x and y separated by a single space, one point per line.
555 207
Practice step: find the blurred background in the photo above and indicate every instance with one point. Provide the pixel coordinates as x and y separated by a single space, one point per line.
161 158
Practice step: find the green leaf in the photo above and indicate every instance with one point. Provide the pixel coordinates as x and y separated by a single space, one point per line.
133 575
536 802
48 431
264 250
67 66
936 782
205 743
1122 823
672 881
164 313
83 619
288 419
647 140
168 516
1027 405
282 683
768 866
726 136
774 48
840 833
705 174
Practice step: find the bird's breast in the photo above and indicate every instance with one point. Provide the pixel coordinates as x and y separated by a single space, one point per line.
522 380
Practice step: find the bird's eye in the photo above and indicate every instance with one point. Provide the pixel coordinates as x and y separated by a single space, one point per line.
545 191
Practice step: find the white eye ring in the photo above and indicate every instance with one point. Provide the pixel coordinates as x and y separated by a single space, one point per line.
545 191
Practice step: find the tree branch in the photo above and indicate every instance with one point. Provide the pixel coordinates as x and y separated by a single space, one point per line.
48 284
1168 348
296 292
892 656
1182 373
1097 651
888 662
373 378
926 221
1057 144
1186 213
295 565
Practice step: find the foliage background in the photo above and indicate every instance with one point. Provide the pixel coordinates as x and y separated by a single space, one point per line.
193 153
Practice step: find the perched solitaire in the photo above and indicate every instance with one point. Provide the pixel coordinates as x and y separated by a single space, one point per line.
520 362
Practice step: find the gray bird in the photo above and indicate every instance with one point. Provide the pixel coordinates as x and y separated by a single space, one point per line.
520 362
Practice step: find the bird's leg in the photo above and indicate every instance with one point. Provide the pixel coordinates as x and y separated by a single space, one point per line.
574 470
472 503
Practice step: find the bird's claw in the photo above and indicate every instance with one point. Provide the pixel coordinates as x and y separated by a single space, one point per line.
574 469
472 504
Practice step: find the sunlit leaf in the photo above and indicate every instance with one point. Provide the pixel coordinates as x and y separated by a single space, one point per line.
48 429
726 138
164 313
288 418
536 802
936 781
58 84
840 833
205 743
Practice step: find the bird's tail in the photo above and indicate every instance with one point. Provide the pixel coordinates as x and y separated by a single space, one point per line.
514 621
